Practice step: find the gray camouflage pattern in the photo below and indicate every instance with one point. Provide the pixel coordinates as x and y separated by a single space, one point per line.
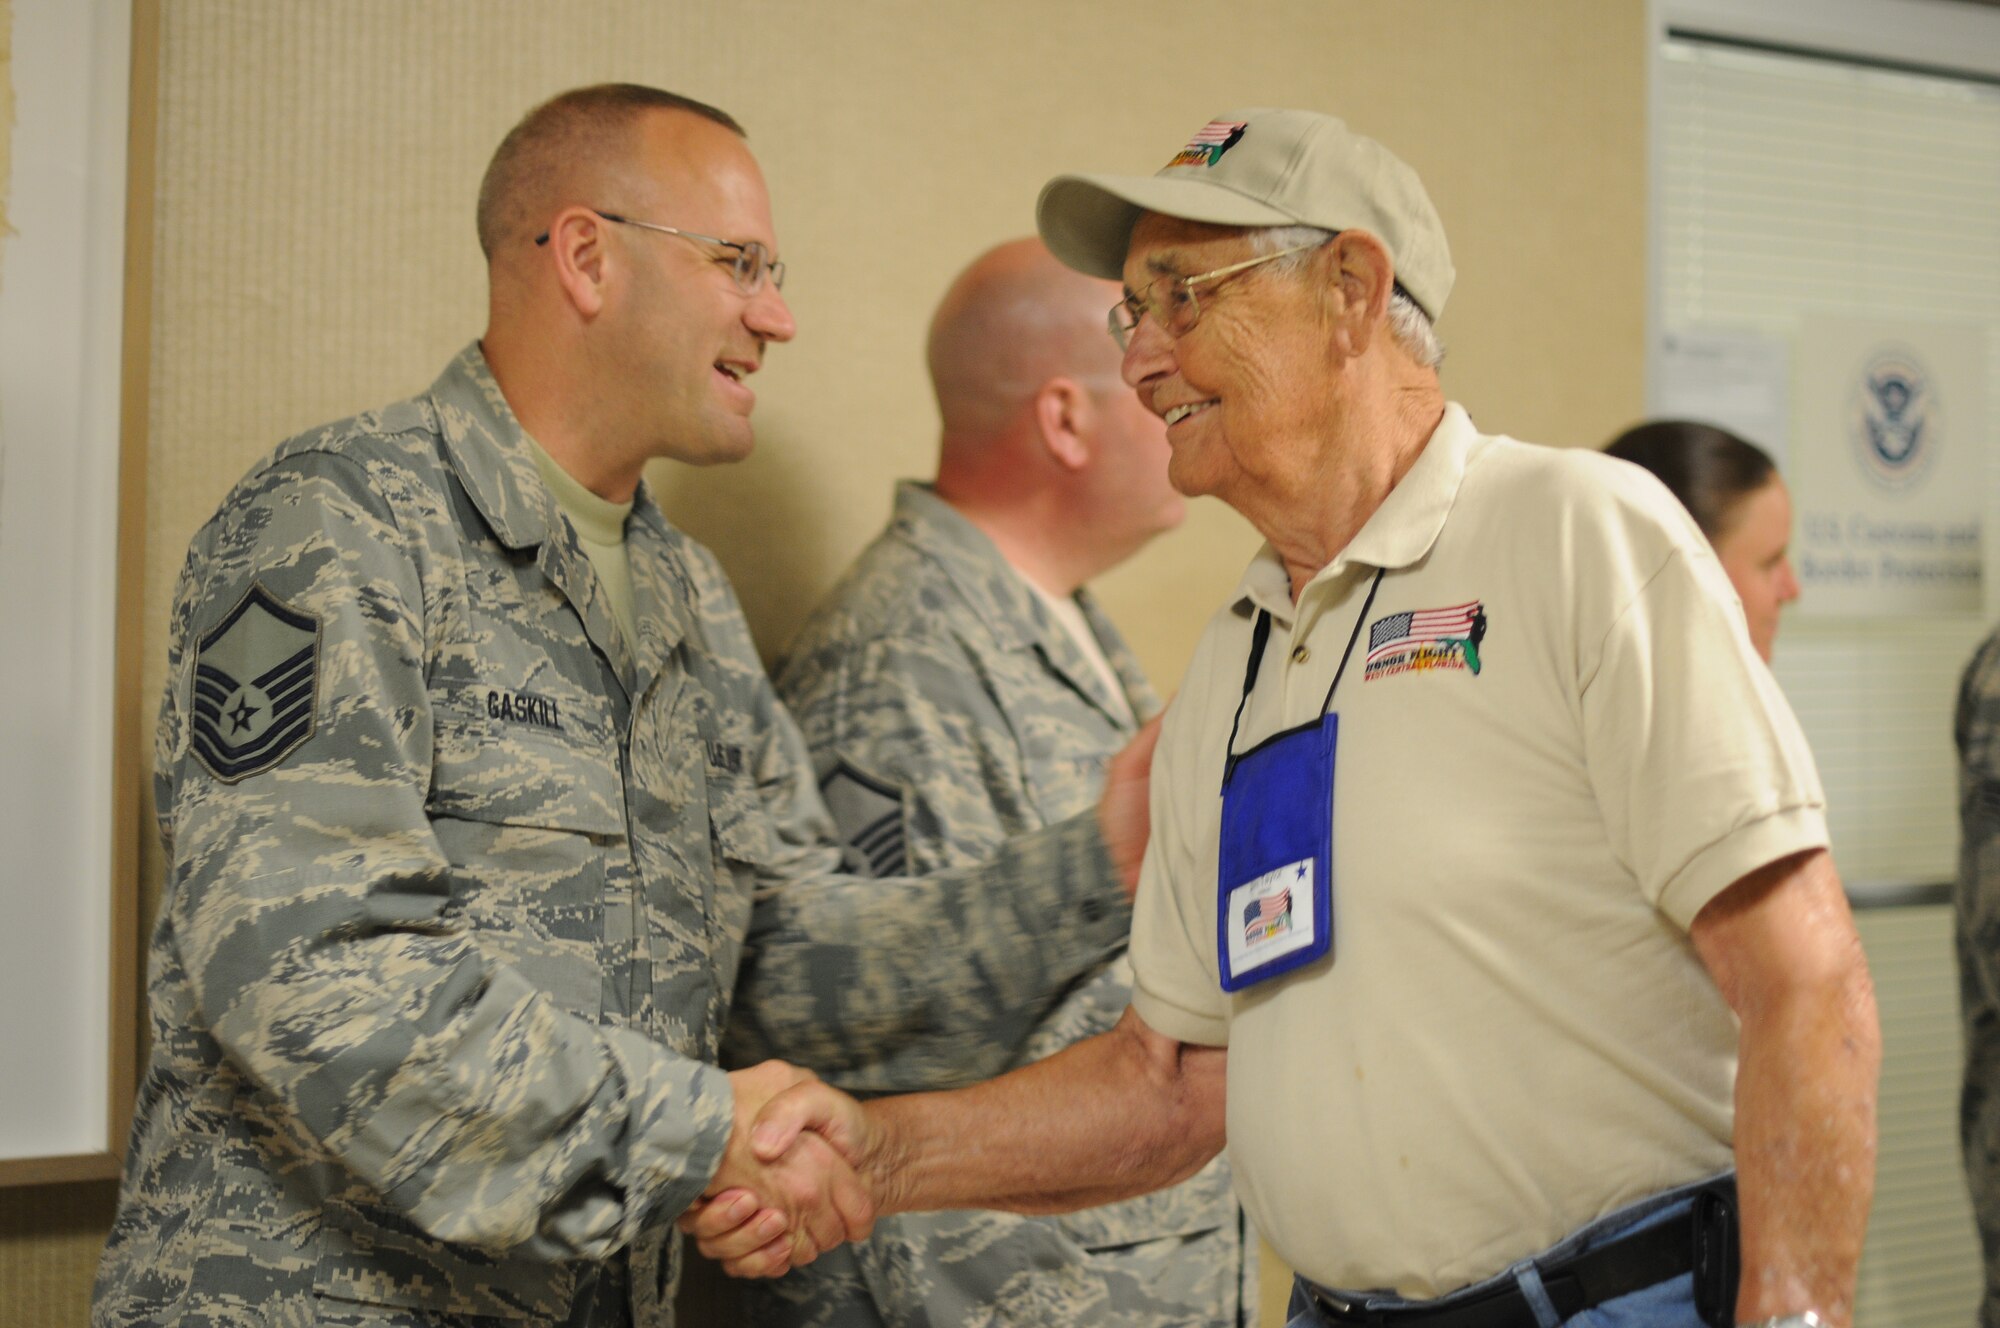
933 670
436 997
1976 728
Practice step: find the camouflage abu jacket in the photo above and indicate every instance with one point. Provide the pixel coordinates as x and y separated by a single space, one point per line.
1976 934
947 711
459 884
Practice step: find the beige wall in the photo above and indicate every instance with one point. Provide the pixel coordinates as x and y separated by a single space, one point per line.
317 163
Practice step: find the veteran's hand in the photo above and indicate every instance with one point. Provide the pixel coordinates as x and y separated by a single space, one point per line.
1124 812
765 1213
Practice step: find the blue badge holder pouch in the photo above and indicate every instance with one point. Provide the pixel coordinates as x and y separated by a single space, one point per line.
1277 818
1276 842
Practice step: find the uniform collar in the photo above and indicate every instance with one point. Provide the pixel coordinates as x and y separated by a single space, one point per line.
1399 533
491 453
972 562
494 459
1007 606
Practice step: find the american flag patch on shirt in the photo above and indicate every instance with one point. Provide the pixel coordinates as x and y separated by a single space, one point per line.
1426 639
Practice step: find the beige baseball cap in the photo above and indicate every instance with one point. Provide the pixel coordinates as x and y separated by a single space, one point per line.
1259 167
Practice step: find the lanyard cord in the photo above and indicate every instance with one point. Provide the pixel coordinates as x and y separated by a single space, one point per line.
1352 637
1260 636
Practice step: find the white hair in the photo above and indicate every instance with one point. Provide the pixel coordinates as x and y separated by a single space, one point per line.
1408 324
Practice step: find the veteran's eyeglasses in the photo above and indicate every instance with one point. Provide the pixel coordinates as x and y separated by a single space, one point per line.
750 264
1171 300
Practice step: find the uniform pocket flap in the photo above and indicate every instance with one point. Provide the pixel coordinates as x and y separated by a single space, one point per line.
523 758
374 1257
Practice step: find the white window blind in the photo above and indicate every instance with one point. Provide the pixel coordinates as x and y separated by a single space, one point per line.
1792 186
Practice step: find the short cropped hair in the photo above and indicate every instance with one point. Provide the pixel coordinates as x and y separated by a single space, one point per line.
1709 469
578 126
1409 326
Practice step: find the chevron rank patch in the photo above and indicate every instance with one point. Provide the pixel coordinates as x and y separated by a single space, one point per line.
869 813
255 679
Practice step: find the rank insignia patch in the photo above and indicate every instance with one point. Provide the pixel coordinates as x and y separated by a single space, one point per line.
869 812
255 677
1207 146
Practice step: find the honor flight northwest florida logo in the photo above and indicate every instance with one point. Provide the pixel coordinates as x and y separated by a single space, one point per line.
1893 419
1206 147
1425 639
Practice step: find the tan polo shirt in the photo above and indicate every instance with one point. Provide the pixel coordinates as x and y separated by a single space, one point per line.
1513 1035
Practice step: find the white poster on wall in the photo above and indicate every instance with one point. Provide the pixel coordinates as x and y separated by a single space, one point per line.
1886 477
1738 379
61 301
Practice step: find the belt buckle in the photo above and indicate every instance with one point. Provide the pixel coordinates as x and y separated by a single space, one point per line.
1349 1310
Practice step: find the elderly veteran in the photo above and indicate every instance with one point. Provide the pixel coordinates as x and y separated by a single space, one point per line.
1489 879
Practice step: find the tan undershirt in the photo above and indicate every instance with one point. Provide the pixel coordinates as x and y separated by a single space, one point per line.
1070 614
600 527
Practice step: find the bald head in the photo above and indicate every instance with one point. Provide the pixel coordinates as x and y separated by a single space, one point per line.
567 150
1045 448
1013 320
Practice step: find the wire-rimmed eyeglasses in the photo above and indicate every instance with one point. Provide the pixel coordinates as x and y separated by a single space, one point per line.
1171 300
750 264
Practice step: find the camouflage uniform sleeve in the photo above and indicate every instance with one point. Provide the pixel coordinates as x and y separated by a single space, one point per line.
907 983
1976 729
315 913
912 713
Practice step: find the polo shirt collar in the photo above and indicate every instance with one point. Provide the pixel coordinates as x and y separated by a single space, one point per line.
1397 535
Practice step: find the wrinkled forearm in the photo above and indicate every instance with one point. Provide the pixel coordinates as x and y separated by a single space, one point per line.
1805 1148
1114 1116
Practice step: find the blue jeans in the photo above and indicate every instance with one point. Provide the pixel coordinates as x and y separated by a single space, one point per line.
1668 1304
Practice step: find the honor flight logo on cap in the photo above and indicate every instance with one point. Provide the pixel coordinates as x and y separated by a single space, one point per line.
1255 167
1206 147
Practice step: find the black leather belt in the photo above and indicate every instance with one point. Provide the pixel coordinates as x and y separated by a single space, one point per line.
1574 1284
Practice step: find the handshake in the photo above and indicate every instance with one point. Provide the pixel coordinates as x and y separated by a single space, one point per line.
798 1177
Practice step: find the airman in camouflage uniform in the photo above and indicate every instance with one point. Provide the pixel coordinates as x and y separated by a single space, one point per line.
948 710
1977 934
462 877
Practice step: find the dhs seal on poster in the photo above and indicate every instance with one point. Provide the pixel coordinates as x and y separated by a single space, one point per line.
1886 468
1893 419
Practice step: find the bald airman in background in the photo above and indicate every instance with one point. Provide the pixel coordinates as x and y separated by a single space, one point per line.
959 687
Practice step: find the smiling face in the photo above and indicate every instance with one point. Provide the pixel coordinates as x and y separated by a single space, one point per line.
1247 390
1753 550
681 339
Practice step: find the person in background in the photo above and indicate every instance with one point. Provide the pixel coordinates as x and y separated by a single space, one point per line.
960 686
1976 937
1733 491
